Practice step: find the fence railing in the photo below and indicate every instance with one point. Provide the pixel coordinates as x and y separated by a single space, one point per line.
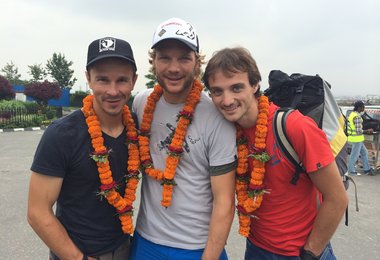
21 117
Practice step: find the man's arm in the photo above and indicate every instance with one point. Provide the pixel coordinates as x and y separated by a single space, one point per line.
223 190
358 125
43 193
329 182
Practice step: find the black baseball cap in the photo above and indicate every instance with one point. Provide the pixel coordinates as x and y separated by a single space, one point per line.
109 47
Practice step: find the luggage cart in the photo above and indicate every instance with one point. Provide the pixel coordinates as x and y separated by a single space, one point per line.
372 142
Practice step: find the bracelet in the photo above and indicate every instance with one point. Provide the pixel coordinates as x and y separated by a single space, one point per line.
307 255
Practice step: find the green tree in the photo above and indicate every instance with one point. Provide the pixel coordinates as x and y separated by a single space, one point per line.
37 72
59 68
11 74
152 79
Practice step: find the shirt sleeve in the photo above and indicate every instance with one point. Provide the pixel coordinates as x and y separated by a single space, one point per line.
221 141
358 125
222 169
52 153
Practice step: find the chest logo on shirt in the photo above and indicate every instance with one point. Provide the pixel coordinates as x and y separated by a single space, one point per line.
274 158
166 142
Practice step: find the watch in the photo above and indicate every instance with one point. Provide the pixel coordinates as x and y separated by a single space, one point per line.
307 255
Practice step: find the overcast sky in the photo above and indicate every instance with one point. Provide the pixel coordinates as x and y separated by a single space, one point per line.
339 40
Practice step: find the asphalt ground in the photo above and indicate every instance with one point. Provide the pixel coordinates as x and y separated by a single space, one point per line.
360 240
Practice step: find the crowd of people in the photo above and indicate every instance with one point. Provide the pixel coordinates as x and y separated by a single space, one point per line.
195 155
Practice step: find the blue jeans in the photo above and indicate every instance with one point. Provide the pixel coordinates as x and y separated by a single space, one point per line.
143 249
356 150
253 252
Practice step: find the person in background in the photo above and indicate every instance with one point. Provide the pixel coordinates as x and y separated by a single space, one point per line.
356 140
280 220
187 152
83 165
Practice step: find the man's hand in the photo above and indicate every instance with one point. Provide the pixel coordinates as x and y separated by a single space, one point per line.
368 131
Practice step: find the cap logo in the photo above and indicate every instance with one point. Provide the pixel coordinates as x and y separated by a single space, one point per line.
107 44
187 31
161 32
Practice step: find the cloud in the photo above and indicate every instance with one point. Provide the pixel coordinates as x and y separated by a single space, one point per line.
337 39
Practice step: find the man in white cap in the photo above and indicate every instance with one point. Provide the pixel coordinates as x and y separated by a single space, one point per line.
187 152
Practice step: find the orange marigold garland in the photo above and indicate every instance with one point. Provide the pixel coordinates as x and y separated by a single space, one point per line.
175 149
249 186
108 187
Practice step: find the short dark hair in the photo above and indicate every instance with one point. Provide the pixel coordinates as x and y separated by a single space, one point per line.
358 104
233 60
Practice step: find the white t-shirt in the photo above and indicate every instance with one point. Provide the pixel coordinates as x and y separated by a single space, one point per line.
210 141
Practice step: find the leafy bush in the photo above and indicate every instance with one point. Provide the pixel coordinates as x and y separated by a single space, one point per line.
29 121
76 99
32 107
50 113
5 114
18 114
6 90
43 91
11 104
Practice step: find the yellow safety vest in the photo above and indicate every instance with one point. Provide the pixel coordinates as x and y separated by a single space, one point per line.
354 137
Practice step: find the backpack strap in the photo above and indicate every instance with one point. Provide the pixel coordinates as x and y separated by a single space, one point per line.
346 127
283 143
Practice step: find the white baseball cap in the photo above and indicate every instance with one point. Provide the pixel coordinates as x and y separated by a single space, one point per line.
178 29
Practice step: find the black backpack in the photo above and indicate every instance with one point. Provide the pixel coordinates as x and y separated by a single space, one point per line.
312 96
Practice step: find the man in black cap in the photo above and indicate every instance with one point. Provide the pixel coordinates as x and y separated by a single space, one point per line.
74 166
356 139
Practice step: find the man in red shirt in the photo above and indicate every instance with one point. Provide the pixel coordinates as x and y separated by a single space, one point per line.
280 220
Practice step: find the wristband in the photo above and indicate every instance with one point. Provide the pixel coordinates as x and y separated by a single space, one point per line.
307 255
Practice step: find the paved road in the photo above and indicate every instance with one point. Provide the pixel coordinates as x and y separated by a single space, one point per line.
360 240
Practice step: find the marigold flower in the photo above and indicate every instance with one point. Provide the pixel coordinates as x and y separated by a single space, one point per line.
111 195
261 121
105 175
100 155
248 199
241 186
125 217
241 197
103 168
258 164
184 119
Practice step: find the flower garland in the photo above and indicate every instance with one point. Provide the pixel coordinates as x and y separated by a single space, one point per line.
249 186
175 149
108 187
